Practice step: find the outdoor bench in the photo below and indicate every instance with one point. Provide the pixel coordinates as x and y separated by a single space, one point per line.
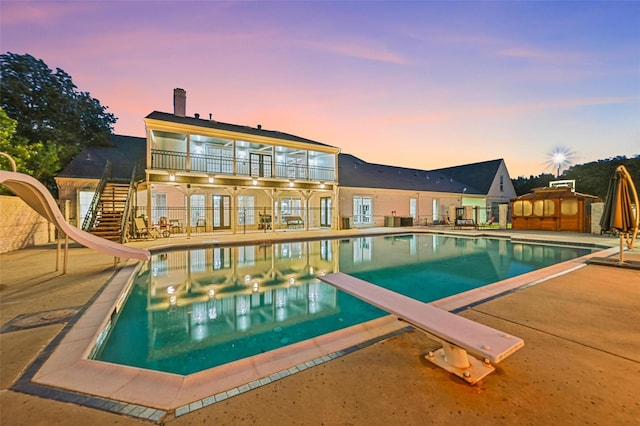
457 334
293 221
465 223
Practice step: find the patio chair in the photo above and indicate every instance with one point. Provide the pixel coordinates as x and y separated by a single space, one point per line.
490 222
176 225
201 223
145 231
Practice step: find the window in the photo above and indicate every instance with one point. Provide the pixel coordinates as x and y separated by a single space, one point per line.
569 207
522 208
501 183
158 206
84 203
290 207
246 206
436 210
321 166
197 209
219 159
413 208
361 210
543 208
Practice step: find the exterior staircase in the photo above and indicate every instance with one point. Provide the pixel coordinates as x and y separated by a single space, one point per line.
111 207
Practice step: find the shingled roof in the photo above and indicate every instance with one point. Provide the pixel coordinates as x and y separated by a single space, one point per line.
122 151
212 124
356 173
479 175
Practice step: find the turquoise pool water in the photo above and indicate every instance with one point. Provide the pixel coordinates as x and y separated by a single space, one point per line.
191 310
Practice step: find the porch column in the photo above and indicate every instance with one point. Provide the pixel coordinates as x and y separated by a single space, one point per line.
234 207
272 195
307 196
149 198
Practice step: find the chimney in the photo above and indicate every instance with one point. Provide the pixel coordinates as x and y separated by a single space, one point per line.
179 102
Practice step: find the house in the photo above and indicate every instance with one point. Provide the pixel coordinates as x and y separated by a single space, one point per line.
193 175
204 176
371 193
78 181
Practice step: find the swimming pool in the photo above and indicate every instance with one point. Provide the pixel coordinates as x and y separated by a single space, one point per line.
191 310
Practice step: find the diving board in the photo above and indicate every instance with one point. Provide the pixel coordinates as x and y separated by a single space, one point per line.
38 197
457 334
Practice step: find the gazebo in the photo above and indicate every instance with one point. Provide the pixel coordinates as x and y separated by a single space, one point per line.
553 209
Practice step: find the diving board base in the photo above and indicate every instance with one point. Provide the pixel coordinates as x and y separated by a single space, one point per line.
475 370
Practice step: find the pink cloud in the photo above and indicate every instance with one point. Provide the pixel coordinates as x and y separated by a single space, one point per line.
357 49
541 55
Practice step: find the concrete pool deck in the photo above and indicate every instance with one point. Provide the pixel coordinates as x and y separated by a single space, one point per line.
580 362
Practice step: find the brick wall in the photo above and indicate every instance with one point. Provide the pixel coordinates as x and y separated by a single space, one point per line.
21 226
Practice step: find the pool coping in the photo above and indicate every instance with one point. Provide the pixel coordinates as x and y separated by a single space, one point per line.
64 371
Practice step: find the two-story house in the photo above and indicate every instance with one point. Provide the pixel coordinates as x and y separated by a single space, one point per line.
204 175
199 175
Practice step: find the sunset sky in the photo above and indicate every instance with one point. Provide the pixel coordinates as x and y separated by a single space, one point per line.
414 84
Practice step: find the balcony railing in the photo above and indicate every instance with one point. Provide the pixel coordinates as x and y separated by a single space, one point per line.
207 220
171 160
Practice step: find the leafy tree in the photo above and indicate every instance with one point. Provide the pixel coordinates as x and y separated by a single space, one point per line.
591 178
523 185
35 159
54 120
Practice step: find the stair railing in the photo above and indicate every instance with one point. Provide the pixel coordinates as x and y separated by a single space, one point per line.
92 214
126 214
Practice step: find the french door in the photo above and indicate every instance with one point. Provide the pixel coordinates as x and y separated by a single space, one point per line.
221 212
325 211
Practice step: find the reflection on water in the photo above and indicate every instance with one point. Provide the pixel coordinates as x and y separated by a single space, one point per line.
194 309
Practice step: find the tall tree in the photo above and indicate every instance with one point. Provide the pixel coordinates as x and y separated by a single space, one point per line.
591 178
34 159
53 117
523 185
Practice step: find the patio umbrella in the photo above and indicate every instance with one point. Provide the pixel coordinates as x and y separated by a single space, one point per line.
618 214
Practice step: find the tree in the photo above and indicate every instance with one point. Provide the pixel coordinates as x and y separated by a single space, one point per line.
523 185
35 159
54 120
591 178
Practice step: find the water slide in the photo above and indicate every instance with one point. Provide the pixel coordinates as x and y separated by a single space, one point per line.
40 199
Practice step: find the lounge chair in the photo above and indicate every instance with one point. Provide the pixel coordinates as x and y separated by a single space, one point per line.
490 222
145 231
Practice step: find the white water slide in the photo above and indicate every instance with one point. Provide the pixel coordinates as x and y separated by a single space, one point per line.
38 197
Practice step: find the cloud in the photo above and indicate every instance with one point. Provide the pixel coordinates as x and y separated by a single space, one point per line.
356 49
462 114
538 55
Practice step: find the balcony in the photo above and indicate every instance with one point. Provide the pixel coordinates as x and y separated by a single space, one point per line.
200 163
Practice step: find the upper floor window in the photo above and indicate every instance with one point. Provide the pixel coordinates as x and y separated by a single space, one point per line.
501 183
211 155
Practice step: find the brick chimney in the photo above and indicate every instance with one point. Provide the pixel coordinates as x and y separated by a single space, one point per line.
179 102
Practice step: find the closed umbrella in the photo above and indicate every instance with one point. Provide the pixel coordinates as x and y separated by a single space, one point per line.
618 214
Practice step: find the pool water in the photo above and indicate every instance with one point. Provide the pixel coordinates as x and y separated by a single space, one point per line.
193 309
